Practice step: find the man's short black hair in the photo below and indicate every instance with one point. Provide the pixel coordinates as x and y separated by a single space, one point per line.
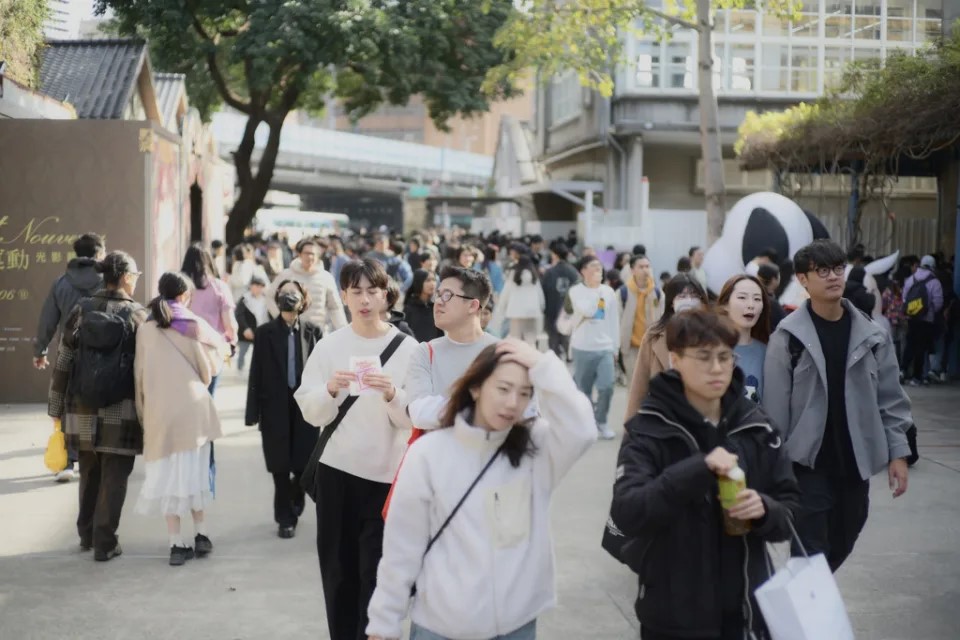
353 271
639 250
88 245
216 244
700 328
819 253
585 261
476 284
536 238
635 259
560 249
693 250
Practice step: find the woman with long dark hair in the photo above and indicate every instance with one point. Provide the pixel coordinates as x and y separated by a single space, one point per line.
482 485
683 292
522 302
418 306
212 299
744 301
95 403
178 354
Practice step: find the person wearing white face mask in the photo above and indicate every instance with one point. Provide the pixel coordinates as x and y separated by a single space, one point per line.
682 293
744 301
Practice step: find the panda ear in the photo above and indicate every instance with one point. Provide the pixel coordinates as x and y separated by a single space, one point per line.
819 231
764 231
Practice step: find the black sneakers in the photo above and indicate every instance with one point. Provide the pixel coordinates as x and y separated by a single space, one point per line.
203 545
104 556
179 555
286 532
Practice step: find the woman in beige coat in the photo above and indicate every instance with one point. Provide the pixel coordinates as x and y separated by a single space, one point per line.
681 293
178 354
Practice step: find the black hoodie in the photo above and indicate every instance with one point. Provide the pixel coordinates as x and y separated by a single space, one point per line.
81 280
665 500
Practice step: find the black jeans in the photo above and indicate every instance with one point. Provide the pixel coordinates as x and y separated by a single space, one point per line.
921 337
349 544
288 498
734 627
832 513
103 489
557 342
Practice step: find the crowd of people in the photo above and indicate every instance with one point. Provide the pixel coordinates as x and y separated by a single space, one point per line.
429 396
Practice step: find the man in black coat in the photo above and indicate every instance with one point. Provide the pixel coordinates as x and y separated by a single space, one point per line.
556 281
281 348
697 581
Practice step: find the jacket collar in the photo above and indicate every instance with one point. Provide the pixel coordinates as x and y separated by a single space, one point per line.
477 438
864 333
113 294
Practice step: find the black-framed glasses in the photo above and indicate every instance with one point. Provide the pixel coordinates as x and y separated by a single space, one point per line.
824 272
446 296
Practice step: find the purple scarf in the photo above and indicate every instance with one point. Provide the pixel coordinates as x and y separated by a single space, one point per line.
189 325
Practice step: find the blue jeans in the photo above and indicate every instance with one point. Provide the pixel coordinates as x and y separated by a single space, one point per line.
595 368
526 632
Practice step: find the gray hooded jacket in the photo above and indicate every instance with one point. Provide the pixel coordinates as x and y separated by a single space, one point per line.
878 410
80 281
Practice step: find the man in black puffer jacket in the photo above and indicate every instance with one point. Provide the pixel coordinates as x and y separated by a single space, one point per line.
695 425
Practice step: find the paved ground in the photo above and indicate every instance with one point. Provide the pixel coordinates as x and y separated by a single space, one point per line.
902 583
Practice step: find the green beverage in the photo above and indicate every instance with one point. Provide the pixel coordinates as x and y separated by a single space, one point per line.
730 485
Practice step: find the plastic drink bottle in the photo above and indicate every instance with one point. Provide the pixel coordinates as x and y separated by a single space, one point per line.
730 485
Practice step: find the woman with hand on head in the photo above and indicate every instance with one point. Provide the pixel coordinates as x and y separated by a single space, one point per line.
178 355
743 300
475 495
682 293
281 349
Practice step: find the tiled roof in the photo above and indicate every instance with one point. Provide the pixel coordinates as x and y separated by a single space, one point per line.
97 77
170 88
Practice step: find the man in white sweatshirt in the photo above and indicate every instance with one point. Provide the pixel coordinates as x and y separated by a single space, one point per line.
596 338
363 454
307 269
435 366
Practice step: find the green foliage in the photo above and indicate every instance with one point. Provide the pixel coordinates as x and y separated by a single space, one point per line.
906 107
21 38
275 55
587 36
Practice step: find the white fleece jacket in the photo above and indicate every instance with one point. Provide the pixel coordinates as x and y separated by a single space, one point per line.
492 570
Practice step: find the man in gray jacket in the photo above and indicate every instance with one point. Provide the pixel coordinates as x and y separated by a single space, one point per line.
81 280
832 387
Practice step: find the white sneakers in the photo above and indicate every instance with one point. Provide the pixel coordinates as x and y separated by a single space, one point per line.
606 433
64 476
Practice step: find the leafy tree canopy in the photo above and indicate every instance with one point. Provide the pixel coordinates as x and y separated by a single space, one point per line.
21 38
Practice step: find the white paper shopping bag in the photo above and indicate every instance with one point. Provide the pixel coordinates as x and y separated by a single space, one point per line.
802 602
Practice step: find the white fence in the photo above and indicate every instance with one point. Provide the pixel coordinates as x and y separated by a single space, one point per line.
666 233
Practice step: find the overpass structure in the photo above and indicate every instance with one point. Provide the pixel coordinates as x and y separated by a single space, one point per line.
312 159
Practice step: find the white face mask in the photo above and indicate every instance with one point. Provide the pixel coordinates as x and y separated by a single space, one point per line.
685 304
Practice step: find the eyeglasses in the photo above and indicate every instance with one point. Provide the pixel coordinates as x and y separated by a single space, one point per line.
824 272
726 359
446 296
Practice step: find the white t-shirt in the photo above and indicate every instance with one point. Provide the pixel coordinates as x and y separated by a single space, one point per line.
596 318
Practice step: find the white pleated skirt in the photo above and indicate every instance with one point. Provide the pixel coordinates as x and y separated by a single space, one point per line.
177 484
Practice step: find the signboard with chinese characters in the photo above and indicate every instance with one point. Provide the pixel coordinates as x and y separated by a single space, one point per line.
59 179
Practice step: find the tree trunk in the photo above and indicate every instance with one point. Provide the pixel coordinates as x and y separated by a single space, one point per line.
253 188
711 148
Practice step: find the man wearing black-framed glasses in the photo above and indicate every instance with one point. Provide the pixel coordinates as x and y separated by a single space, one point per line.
829 349
435 366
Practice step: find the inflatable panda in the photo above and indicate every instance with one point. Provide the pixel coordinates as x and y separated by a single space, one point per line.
767 220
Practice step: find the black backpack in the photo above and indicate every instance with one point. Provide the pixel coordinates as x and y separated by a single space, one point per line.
103 359
917 301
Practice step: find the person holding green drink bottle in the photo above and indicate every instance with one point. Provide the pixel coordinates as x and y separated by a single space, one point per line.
702 483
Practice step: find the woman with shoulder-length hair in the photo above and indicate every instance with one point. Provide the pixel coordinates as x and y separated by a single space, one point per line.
281 349
212 299
682 293
178 354
744 301
477 489
96 403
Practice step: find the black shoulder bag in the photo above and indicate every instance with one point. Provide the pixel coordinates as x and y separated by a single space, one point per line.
310 475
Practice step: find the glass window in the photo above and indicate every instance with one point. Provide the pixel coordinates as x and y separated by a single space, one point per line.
774 60
839 21
565 94
866 24
929 19
808 24
803 72
773 25
900 20
648 64
680 65
740 67
835 61
742 21
719 78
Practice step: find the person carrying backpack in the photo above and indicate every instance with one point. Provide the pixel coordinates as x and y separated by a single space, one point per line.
922 302
92 393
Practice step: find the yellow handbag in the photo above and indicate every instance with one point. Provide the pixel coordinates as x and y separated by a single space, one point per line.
56 455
